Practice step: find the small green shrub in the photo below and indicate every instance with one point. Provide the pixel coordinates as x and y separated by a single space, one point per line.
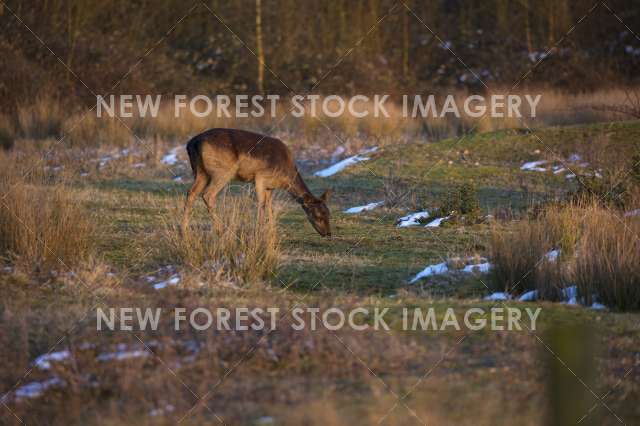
462 201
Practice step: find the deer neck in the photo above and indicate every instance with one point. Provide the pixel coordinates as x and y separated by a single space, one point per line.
298 188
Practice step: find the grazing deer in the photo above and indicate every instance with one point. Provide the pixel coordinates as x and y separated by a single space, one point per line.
218 156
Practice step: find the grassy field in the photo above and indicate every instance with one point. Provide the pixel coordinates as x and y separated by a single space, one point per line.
579 366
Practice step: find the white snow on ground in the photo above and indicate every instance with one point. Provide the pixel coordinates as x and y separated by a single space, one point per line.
341 165
632 213
35 389
569 295
172 157
122 353
436 222
102 161
412 220
365 208
528 296
138 165
43 362
337 153
162 410
443 268
174 280
498 296
480 268
552 255
534 166
440 268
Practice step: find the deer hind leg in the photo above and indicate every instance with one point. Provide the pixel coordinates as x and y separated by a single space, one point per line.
215 185
198 185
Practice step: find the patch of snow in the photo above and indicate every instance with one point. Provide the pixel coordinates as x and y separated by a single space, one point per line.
436 222
84 174
537 56
630 50
337 153
162 410
341 165
36 389
177 179
122 354
43 362
440 268
265 420
412 219
138 165
498 296
528 296
552 255
174 280
574 158
570 176
598 306
364 208
534 166
558 170
478 268
632 213
171 158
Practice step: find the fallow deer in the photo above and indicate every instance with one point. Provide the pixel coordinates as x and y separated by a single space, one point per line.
219 156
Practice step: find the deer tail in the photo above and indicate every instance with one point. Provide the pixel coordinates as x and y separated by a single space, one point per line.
193 150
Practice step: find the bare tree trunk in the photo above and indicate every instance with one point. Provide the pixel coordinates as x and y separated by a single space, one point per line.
405 42
259 50
527 26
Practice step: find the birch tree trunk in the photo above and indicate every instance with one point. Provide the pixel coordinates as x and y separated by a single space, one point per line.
259 50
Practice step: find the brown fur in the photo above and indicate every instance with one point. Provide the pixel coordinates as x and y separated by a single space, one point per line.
219 156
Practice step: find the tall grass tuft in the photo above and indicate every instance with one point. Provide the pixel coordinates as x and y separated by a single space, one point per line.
42 227
521 255
41 120
237 247
608 262
518 256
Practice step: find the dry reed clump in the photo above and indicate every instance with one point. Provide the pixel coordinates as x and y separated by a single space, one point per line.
522 258
599 252
236 247
91 131
41 120
518 255
7 132
42 225
608 262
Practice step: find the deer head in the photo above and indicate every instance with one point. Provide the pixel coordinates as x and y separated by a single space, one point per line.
318 213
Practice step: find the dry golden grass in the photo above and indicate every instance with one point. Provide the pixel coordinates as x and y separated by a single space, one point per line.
599 252
40 120
520 254
46 118
41 225
237 248
608 262
517 255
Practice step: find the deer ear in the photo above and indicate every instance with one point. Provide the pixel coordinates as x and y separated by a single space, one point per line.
327 194
307 199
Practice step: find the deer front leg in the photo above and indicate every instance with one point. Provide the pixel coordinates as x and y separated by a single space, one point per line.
268 205
261 194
